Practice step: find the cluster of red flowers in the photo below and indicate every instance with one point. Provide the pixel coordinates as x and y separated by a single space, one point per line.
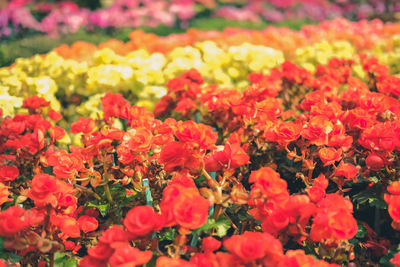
267 174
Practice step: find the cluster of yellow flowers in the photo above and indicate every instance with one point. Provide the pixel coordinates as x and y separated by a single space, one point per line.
141 76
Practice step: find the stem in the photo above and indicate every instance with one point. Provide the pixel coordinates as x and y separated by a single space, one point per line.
205 173
106 188
89 191
51 257
108 193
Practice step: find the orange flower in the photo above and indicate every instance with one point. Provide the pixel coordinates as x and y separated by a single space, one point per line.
8 173
4 194
65 165
329 155
83 125
87 223
177 156
197 133
43 190
190 211
138 140
347 170
255 245
126 255
142 220
164 261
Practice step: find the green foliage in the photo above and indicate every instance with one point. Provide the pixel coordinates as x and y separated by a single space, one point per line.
385 260
103 208
372 197
220 226
64 260
5 254
362 231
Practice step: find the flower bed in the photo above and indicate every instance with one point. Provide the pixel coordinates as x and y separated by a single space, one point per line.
299 168
139 69
261 153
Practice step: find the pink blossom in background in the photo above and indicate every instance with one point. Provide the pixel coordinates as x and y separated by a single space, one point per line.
65 16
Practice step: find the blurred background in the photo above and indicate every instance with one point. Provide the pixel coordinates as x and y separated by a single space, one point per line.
28 27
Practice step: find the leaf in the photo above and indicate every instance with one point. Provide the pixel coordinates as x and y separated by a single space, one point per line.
385 260
64 260
168 235
14 258
221 226
362 231
372 197
374 179
48 170
103 208
2 238
377 202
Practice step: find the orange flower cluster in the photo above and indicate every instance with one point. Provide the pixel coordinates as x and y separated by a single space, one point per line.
362 34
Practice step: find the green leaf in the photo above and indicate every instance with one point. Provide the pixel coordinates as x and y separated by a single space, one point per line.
64 260
221 226
103 208
14 258
168 235
362 231
372 197
2 238
377 202
385 260
374 179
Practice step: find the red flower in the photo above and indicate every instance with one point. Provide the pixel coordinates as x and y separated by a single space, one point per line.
317 130
394 206
255 245
114 234
375 162
4 194
142 220
396 260
65 165
89 261
35 102
138 140
54 115
87 223
8 173
12 221
197 133
299 258
67 225
333 220
329 155
164 261
190 211
83 125
394 188
171 194
177 156
127 256
114 106
232 156
56 132
347 170
101 251
43 189
210 244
